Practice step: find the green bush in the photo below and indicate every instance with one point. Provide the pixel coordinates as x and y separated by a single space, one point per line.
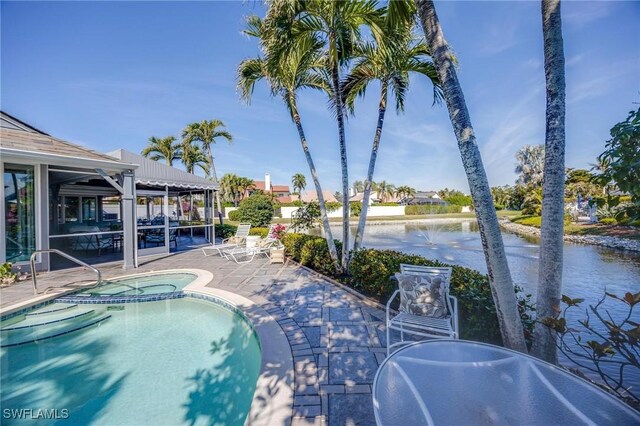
262 232
256 209
224 231
499 206
315 255
371 271
234 216
355 208
332 206
428 209
293 244
295 203
388 203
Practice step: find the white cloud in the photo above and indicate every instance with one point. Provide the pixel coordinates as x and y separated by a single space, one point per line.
582 13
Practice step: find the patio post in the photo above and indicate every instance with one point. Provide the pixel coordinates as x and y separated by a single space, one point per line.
129 245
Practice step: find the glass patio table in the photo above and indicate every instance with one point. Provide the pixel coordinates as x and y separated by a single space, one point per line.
457 382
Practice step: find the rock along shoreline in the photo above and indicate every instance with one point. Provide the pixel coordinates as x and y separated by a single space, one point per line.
598 240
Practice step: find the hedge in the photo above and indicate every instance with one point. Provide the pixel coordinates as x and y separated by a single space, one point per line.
224 231
428 209
261 232
235 215
370 273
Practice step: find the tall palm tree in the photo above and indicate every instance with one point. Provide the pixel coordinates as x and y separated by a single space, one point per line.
229 187
385 190
493 246
299 183
163 149
338 25
192 157
358 186
405 192
298 70
206 133
244 186
551 232
388 61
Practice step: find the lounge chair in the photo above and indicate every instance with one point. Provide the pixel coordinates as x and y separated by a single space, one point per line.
426 307
232 242
247 254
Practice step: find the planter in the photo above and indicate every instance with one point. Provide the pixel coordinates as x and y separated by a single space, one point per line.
277 255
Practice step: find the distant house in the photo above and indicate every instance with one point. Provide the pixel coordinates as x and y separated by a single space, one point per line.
309 196
374 198
282 193
424 198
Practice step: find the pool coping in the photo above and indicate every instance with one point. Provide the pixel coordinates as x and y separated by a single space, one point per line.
273 397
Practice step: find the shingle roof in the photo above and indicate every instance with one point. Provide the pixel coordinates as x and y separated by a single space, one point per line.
41 143
309 196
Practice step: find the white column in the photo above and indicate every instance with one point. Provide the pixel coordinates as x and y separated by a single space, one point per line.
129 225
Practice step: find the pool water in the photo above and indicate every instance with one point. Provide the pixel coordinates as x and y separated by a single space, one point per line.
143 285
177 361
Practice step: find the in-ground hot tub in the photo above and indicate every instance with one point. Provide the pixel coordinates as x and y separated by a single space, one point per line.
181 360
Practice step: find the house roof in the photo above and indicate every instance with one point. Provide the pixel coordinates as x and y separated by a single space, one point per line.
29 143
154 173
309 196
259 184
10 122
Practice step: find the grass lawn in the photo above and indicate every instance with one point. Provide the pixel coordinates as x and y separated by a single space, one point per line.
584 229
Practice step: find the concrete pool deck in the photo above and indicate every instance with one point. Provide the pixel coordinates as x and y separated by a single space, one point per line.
336 340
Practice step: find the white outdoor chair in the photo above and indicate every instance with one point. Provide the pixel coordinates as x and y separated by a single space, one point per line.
247 254
419 317
232 242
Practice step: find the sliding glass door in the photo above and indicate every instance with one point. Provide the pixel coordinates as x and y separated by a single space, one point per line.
20 212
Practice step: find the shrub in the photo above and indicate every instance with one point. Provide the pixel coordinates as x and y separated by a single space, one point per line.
234 215
262 232
428 209
499 206
293 244
388 203
315 254
257 210
332 206
355 208
295 203
224 231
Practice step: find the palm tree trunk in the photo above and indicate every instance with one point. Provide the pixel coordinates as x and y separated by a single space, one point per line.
552 229
499 275
214 175
345 170
382 108
333 252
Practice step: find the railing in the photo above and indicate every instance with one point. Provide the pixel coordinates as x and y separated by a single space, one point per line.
65 255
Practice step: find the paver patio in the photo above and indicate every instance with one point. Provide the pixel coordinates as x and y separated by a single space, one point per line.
336 339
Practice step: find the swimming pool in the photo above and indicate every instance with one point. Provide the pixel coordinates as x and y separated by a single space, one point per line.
174 361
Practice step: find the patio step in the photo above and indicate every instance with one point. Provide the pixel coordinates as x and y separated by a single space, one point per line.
22 334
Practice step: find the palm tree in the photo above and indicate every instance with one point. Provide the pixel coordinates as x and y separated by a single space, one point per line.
163 149
385 190
552 229
299 183
244 186
206 133
493 246
389 61
229 187
358 186
192 157
405 192
337 25
298 70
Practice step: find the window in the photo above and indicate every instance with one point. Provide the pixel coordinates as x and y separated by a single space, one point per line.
20 218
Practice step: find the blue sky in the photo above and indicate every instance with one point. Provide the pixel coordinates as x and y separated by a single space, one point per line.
110 75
